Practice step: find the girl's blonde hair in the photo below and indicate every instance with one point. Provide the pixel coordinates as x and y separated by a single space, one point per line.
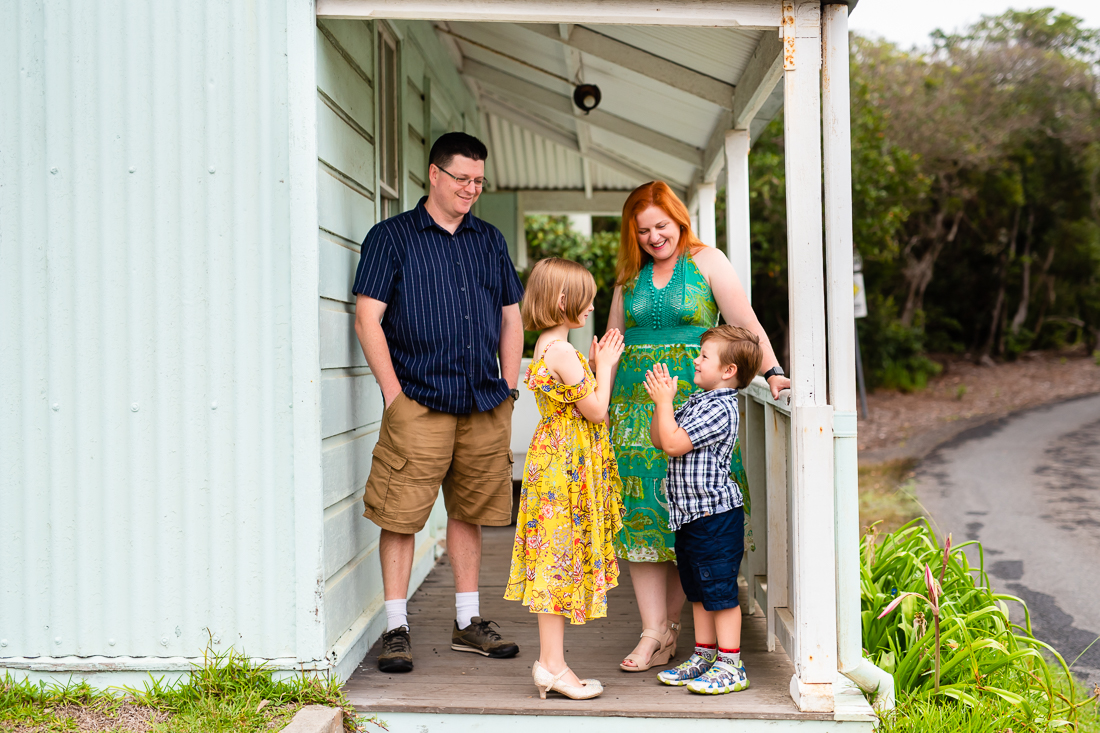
550 278
631 256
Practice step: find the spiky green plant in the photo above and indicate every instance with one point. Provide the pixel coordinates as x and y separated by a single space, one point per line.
972 651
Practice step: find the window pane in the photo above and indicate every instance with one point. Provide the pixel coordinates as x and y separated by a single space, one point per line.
389 113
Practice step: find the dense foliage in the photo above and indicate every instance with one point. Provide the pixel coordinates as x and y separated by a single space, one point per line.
551 236
976 195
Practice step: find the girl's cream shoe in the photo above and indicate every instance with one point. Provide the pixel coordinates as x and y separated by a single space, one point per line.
547 682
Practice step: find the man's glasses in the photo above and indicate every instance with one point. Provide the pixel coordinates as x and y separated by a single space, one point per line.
464 181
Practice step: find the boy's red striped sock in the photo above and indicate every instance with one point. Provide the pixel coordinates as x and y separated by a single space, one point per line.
729 656
706 651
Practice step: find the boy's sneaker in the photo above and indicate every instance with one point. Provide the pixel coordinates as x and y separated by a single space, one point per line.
722 677
685 672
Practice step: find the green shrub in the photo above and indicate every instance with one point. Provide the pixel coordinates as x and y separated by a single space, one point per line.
933 621
551 236
893 353
1018 343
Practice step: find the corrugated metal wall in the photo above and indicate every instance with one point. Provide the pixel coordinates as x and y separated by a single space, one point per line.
146 475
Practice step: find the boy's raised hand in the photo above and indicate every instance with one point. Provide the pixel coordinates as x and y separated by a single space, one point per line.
659 384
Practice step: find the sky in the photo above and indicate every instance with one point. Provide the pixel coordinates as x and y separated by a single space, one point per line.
908 22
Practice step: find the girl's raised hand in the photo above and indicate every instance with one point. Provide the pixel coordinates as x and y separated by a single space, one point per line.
608 351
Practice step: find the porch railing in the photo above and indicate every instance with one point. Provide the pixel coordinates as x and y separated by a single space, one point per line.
765 436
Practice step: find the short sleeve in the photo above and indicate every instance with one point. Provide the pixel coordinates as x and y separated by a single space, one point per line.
542 381
379 265
512 291
708 423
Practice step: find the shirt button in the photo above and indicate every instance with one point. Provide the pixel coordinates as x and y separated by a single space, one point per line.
467 318
463 289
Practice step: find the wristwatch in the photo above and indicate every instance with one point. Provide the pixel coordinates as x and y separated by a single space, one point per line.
515 394
774 371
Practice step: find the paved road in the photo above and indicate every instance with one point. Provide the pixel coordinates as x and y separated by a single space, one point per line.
1028 487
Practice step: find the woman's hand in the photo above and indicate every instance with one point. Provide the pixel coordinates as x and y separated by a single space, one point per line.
607 351
778 383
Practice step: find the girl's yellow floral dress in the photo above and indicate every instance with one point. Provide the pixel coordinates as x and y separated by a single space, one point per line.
563 560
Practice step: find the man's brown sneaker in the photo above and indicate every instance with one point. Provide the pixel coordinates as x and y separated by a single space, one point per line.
481 638
396 653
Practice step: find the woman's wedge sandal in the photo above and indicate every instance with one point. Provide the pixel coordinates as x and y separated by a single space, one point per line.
674 627
660 657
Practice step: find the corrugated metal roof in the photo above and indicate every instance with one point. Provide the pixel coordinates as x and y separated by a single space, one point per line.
522 160
146 442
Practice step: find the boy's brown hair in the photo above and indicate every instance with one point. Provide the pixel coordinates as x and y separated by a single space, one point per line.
549 279
740 347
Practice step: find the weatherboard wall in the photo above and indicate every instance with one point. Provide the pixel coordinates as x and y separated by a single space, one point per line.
430 97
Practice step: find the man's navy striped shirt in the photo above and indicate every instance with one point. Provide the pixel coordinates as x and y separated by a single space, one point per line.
444 294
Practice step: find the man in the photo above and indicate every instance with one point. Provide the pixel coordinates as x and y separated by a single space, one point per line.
436 304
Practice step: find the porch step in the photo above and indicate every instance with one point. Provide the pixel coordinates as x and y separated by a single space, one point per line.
553 723
451 690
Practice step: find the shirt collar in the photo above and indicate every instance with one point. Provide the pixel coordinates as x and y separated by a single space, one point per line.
714 394
424 220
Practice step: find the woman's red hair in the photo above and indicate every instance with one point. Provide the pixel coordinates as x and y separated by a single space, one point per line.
655 193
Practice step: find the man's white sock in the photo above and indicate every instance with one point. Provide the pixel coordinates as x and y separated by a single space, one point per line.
467 605
397 614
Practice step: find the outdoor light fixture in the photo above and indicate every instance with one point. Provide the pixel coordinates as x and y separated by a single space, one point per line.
587 97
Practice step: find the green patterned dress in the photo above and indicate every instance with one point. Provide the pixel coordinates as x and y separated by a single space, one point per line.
661 326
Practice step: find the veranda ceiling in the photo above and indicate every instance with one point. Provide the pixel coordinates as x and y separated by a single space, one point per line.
667 100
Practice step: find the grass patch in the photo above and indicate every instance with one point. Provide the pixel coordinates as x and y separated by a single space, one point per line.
915 714
226 692
886 495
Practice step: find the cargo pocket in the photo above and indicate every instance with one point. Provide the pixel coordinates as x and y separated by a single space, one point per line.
386 462
718 584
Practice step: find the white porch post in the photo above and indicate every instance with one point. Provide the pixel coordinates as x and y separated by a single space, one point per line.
842 365
813 601
582 337
708 233
737 206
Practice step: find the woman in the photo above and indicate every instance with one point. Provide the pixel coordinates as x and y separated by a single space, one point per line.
670 288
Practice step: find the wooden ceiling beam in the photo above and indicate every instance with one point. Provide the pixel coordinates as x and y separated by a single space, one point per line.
538 125
642 62
700 13
554 102
763 72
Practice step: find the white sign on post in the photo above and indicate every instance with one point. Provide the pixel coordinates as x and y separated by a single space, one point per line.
860 295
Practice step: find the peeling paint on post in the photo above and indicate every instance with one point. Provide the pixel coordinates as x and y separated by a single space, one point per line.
789 33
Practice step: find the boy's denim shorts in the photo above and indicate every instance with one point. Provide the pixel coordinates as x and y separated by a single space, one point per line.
708 556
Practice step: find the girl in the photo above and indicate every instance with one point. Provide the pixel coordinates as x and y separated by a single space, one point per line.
563 562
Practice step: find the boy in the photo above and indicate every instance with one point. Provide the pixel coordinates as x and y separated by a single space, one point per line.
705 504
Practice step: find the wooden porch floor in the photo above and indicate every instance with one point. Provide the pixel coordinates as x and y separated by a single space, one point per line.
450 682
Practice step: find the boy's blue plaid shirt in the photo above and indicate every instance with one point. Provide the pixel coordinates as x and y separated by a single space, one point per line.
698 483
